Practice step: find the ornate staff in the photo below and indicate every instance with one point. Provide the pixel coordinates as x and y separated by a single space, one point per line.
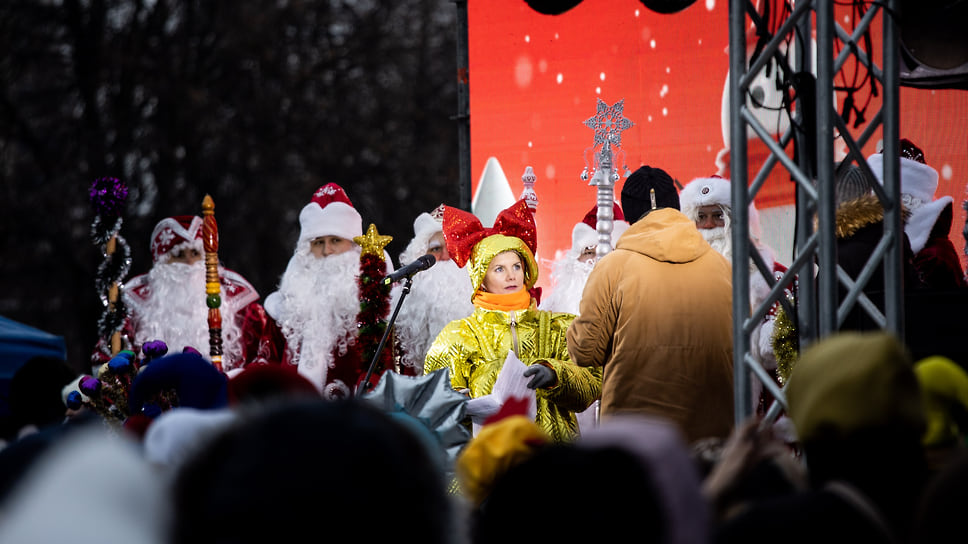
528 194
213 299
108 196
608 124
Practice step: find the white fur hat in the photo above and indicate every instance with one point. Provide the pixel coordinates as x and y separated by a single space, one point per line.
918 185
329 213
424 227
704 192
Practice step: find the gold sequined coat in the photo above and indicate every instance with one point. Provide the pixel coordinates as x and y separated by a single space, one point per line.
474 348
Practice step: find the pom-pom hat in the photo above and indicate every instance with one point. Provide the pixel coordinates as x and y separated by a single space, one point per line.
175 232
470 243
329 213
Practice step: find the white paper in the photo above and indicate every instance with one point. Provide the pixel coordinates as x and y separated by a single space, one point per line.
511 382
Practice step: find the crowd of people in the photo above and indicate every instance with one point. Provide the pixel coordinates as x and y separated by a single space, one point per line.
611 396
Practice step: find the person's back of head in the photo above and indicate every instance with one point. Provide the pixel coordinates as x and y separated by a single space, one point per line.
333 470
856 405
35 392
851 183
648 189
608 490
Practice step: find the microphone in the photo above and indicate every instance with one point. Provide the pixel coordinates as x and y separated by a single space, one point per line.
420 263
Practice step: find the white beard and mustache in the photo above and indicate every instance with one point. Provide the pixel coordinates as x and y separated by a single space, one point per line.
568 278
318 309
439 295
721 240
176 313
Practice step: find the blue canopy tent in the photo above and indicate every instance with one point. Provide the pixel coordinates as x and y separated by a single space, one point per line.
18 343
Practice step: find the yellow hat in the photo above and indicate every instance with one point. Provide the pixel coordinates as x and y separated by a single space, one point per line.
496 448
490 247
944 391
852 381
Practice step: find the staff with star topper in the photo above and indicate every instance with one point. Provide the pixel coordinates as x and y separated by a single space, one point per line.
327 289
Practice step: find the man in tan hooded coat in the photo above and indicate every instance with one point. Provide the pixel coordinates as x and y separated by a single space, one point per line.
656 314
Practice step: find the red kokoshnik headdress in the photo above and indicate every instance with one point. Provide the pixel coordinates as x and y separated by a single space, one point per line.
463 230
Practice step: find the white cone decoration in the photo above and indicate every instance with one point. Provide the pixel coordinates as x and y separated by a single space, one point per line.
493 193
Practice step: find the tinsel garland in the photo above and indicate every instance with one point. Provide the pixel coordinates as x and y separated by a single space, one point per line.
786 345
107 196
371 319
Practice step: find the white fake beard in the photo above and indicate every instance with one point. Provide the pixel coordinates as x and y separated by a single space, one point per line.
568 277
439 295
176 313
720 239
320 305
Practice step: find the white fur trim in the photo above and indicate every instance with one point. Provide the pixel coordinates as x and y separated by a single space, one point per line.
337 219
918 185
424 227
918 180
583 236
618 228
704 192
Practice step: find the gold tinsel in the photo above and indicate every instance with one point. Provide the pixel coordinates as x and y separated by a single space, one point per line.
785 345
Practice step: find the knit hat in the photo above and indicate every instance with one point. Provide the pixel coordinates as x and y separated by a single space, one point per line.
918 185
175 232
496 448
852 184
944 391
852 381
329 213
183 379
700 192
637 189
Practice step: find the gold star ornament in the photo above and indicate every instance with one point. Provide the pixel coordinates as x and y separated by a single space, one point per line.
372 242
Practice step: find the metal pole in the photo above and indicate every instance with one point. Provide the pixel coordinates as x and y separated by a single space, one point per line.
463 116
738 175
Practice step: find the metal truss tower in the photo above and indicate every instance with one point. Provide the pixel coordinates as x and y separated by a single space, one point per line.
815 127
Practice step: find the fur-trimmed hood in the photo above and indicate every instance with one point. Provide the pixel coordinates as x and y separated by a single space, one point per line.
858 213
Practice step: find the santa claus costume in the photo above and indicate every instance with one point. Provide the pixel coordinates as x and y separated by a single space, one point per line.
314 312
438 295
929 223
715 191
169 302
568 272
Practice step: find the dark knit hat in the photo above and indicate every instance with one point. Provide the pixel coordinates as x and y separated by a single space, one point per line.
851 184
636 192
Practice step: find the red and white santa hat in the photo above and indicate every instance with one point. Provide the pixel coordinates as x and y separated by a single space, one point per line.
584 233
918 185
700 192
175 232
329 213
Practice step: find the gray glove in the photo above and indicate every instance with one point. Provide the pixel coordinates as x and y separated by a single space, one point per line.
543 376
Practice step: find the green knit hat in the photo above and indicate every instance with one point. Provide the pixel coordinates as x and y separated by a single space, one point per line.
852 381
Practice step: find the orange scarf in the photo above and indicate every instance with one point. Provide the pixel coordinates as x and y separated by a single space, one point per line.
519 300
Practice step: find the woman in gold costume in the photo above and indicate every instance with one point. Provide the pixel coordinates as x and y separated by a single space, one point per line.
501 264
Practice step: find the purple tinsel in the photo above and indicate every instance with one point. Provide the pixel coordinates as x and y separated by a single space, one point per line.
108 196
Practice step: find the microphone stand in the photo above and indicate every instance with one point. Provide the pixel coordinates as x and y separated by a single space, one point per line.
379 349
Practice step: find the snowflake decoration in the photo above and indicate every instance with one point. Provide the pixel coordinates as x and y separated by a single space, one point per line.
609 122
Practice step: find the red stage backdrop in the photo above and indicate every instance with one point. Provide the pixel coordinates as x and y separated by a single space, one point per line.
534 80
